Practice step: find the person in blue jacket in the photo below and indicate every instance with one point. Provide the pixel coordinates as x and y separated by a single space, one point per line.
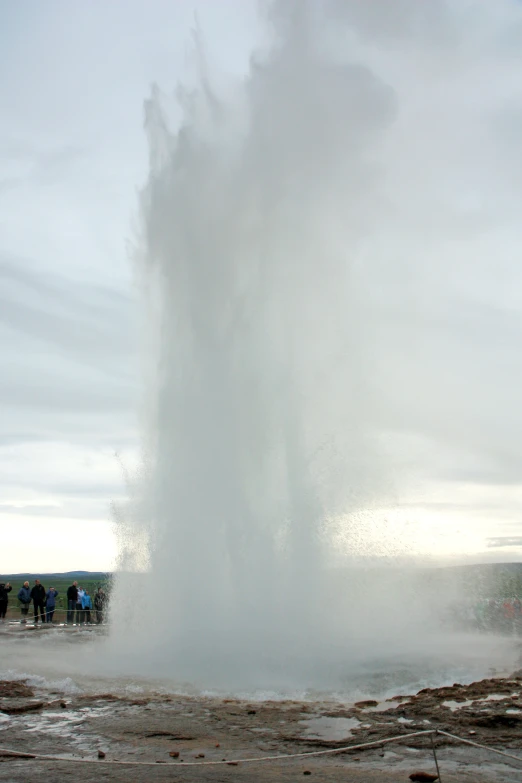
86 606
50 604
24 596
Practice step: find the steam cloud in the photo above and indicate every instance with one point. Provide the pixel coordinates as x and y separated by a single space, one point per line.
325 252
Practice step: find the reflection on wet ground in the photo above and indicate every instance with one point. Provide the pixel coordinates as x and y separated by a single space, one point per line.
329 728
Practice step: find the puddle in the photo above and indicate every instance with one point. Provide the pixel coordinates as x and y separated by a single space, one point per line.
329 728
66 723
513 712
456 705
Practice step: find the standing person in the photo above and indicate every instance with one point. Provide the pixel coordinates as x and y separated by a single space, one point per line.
87 606
79 612
24 596
517 610
5 589
99 604
38 596
72 597
50 604
508 616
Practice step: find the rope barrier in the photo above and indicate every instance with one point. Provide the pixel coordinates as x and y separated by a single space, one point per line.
260 759
14 612
478 745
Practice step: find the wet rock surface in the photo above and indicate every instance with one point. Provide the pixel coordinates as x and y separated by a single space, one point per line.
167 730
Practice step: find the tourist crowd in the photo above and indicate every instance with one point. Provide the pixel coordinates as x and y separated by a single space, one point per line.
499 615
489 615
79 603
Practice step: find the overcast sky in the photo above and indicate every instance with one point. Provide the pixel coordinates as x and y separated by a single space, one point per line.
73 78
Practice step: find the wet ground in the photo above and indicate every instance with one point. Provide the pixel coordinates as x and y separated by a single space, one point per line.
168 730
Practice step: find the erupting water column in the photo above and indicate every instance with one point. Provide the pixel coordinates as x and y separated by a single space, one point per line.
305 244
252 215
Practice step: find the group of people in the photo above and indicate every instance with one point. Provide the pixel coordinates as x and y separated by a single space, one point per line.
79 603
499 615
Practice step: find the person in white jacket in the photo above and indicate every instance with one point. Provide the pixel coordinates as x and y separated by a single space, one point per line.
79 607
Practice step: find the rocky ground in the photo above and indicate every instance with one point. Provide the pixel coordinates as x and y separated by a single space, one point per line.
168 730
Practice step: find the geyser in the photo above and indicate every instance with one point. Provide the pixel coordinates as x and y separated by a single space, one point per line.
300 237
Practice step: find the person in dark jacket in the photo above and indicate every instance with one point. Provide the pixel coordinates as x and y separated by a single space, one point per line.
5 589
38 596
24 596
99 605
72 597
50 604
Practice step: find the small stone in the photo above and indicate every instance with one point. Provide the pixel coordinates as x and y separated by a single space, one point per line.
232 763
174 754
217 745
423 777
101 754
307 772
251 712
367 703
200 756
63 705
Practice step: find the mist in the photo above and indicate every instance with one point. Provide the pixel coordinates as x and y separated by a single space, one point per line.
330 325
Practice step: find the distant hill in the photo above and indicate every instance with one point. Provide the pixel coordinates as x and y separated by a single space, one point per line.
90 575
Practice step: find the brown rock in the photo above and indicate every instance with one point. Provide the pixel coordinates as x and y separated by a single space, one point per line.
423 777
307 772
217 745
15 690
17 709
174 754
9 755
367 703
101 754
497 720
200 756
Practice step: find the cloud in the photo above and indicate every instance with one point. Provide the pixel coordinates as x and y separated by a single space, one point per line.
67 345
504 541
389 138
